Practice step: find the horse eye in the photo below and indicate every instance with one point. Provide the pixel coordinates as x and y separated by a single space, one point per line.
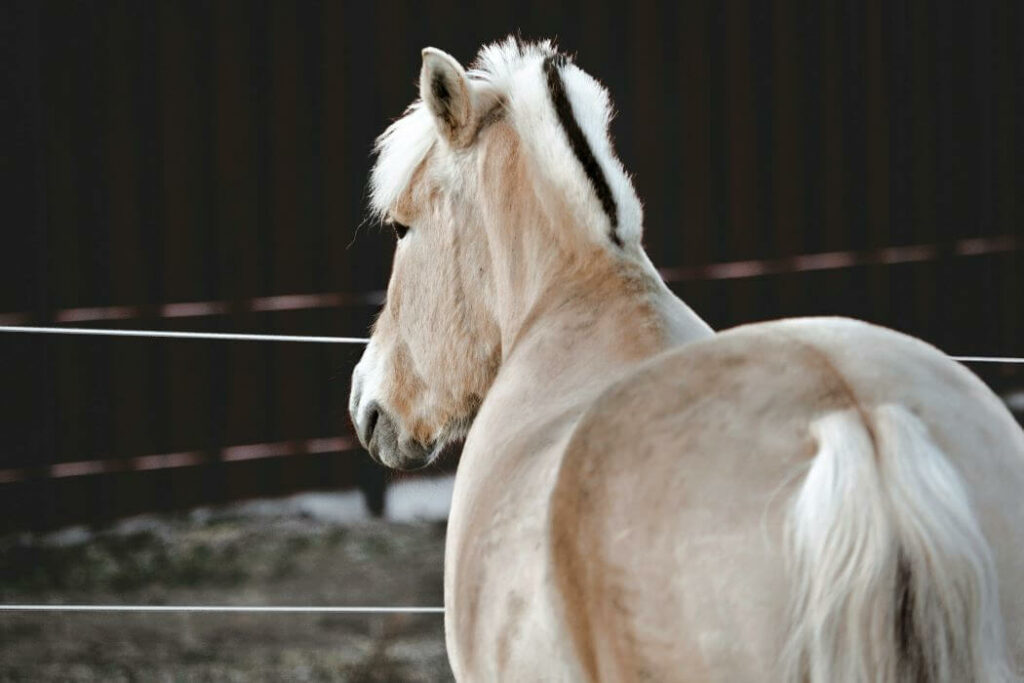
400 229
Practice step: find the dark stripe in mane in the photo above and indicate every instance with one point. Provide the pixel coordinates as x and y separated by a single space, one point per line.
578 142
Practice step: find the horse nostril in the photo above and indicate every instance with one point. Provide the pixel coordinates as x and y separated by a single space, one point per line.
372 415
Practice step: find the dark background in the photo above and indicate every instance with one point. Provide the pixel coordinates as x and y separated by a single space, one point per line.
216 154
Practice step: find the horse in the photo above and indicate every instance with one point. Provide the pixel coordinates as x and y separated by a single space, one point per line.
640 498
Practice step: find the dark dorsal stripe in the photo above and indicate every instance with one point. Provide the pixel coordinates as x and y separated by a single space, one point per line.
578 142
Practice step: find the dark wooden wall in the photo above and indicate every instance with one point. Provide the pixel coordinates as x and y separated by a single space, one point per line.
177 152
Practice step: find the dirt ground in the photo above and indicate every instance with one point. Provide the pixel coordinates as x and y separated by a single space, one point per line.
227 557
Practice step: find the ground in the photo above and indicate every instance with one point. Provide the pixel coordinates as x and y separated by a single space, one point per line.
312 550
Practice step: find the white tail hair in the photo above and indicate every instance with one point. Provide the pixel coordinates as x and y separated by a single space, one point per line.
892 577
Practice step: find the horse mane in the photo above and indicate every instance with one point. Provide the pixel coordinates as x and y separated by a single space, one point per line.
513 73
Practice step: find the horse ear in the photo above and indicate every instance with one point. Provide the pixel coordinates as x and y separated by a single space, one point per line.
445 90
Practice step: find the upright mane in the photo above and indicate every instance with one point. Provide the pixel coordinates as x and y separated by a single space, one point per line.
562 117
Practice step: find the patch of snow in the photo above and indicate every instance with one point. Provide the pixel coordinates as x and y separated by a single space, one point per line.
335 508
411 500
321 506
200 516
68 536
140 524
408 500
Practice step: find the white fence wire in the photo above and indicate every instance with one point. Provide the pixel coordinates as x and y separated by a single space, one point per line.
226 609
161 334
263 609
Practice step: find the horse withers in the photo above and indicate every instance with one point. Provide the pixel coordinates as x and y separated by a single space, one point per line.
638 498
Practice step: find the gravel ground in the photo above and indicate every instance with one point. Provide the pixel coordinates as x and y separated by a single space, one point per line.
272 553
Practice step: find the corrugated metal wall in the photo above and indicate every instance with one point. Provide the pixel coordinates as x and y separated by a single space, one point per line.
193 166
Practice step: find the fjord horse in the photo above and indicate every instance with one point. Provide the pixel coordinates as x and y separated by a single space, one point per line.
640 499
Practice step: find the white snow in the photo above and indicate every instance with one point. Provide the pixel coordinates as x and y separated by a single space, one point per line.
427 499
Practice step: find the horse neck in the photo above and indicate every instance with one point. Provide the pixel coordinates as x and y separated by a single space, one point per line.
595 318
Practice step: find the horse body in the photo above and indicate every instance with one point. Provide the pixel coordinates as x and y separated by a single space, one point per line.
672 561
641 519
639 498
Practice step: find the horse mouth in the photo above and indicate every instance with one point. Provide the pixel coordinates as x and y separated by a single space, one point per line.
387 447
381 437
411 456
442 456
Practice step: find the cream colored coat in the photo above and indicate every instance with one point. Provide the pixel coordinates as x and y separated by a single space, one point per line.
638 498
628 526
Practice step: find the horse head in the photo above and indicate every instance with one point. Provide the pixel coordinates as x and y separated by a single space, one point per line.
499 182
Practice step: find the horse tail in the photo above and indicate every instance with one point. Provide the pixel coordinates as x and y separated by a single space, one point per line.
892 577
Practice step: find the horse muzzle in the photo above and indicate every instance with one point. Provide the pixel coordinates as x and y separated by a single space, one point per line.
379 435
